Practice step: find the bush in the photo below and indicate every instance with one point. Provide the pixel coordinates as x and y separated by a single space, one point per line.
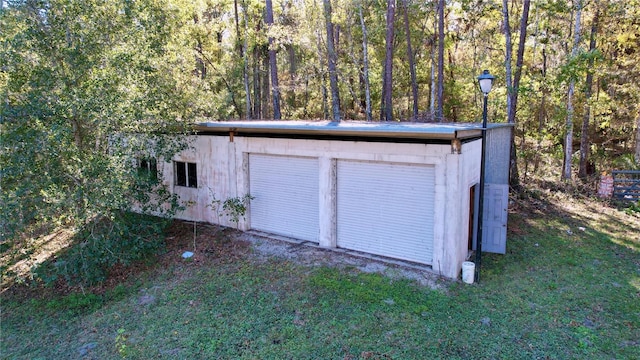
633 208
103 244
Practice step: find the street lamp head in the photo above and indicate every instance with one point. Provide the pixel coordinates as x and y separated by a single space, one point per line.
485 80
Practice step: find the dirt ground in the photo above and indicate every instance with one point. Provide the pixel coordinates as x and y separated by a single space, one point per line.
213 242
210 245
309 254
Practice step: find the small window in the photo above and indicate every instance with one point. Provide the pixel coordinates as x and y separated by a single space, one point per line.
186 174
148 168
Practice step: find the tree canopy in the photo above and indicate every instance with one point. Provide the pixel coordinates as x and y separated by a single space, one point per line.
77 79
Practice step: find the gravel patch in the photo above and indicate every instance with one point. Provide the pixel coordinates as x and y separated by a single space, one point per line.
266 246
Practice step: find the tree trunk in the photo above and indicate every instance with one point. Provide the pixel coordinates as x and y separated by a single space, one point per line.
200 70
266 87
519 59
432 97
323 79
77 132
365 65
514 176
583 171
236 17
258 79
568 137
387 84
245 58
273 65
568 140
257 95
247 89
453 112
507 57
638 138
439 109
542 115
412 63
332 60
293 69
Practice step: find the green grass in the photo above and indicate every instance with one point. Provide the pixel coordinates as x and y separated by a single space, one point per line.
556 295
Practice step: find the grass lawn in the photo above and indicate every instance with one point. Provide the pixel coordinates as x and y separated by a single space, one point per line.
568 288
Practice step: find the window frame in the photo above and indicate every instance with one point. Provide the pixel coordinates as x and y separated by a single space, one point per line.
147 167
185 174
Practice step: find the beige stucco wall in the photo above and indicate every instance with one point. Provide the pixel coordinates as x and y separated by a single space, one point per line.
223 172
463 171
216 170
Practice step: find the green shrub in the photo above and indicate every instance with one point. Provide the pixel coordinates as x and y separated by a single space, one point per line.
633 208
626 162
236 207
233 208
104 243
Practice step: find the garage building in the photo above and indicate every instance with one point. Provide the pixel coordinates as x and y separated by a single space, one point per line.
403 191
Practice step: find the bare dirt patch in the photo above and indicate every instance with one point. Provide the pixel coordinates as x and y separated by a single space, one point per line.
309 254
213 244
210 245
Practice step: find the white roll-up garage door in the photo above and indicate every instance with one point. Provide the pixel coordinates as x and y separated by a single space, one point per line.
386 209
285 191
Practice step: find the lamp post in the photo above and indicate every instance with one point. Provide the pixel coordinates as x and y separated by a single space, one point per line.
485 81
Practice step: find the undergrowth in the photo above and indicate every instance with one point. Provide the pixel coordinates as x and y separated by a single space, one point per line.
103 244
633 208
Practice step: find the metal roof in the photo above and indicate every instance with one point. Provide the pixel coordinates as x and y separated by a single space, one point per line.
439 131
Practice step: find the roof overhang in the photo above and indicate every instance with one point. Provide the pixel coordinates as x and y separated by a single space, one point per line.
400 130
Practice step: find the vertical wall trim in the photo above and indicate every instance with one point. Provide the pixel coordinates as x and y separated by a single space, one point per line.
439 219
241 175
231 171
327 202
452 213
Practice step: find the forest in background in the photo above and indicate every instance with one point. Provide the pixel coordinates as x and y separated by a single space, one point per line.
573 65
75 72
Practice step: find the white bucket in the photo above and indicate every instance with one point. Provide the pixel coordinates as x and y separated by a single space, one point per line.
468 272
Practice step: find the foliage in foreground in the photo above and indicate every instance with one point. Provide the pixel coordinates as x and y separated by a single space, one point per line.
77 79
99 246
568 288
